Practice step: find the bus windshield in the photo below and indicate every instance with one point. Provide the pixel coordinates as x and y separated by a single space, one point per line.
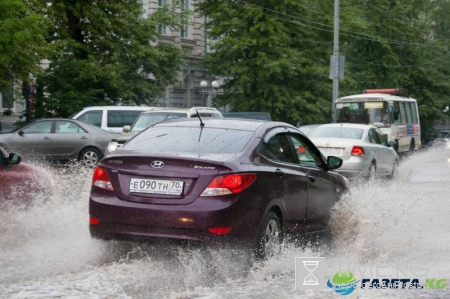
368 112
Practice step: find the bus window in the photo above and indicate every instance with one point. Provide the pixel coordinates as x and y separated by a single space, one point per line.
404 120
369 112
414 113
397 115
408 113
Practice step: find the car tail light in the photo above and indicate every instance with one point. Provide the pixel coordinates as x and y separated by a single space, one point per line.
101 179
220 230
229 184
93 220
301 149
358 151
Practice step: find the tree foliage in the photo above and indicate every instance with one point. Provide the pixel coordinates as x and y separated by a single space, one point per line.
106 52
22 42
274 55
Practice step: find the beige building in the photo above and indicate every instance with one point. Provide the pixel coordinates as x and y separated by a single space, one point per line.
190 91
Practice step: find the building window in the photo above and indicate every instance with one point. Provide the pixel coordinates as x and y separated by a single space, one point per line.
162 28
184 31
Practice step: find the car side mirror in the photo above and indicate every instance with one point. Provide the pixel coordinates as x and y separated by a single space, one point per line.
14 158
334 162
126 129
21 133
392 143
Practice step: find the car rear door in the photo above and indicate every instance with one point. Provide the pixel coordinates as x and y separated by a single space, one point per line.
320 183
379 151
286 177
69 139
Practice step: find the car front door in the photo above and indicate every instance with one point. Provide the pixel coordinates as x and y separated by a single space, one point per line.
34 140
321 185
286 178
69 139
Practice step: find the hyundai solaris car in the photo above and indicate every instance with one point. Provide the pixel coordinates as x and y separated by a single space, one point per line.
215 180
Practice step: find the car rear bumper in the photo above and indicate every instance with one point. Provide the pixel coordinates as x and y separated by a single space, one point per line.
120 219
354 166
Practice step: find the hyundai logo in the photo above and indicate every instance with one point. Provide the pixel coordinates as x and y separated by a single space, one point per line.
157 164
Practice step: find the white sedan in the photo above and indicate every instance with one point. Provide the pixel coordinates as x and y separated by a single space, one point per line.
363 148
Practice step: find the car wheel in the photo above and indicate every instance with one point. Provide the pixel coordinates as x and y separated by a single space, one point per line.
90 156
371 173
394 173
270 237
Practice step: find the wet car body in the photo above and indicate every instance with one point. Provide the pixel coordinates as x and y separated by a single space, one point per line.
21 182
300 196
58 139
363 149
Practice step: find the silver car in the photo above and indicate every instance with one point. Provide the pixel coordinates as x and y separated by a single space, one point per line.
363 149
58 139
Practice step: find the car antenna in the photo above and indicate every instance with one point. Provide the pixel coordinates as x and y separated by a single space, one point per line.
201 122
202 125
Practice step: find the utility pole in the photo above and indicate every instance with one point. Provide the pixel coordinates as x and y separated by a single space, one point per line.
335 58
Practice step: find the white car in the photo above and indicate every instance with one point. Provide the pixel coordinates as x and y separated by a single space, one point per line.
363 149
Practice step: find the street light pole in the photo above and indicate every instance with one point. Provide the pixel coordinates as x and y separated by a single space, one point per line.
210 90
335 58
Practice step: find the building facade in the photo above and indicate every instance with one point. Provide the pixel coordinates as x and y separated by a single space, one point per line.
192 41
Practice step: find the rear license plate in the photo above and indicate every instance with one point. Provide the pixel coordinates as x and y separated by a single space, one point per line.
156 186
330 150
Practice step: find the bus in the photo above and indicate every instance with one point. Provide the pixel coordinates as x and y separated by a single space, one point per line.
395 114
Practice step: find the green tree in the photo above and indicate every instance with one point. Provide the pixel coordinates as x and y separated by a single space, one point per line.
22 43
106 52
270 61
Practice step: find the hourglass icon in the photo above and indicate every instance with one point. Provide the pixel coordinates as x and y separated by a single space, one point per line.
310 279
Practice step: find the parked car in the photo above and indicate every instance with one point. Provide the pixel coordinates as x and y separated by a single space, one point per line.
58 139
219 180
149 118
21 182
110 118
250 115
363 149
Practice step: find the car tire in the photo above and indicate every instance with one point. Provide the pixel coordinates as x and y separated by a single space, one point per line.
394 172
90 156
269 238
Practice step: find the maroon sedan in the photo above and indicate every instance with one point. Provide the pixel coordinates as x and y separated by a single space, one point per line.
227 180
21 182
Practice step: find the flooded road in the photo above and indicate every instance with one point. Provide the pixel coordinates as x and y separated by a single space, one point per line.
383 229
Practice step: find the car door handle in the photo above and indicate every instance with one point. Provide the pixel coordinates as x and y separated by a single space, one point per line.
312 178
46 138
83 137
279 172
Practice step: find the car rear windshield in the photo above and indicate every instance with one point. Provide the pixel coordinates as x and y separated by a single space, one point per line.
190 140
339 132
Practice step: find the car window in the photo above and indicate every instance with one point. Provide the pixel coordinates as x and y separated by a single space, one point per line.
41 127
381 137
373 137
278 148
199 140
63 126
337 132
118 119
93 117
307 154
146 120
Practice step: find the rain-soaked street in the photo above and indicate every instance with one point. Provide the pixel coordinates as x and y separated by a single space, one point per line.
383 229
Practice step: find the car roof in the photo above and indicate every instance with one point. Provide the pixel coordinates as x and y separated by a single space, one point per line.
347 125
182 110
119 107
222 123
